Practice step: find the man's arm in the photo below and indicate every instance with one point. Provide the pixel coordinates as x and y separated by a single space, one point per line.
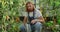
41 19
25 20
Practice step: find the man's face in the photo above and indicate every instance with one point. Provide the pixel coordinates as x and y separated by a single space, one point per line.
30 7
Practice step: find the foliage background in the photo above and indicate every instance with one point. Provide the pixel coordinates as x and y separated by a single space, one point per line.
10 10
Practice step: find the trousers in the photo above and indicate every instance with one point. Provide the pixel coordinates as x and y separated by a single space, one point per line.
37 27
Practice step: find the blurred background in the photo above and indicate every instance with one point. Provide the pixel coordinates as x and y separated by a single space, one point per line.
12 14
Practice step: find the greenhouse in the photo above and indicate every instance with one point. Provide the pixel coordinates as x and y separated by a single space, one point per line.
12 15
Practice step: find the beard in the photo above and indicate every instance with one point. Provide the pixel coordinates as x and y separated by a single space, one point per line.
30 10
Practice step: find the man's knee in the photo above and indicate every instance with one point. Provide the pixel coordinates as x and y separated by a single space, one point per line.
22 28
38 25
25 28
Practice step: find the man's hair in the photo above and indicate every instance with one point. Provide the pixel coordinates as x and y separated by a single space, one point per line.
29 3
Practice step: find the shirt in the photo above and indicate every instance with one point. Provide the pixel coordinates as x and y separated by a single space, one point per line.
36 15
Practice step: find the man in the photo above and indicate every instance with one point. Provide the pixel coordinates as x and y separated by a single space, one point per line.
34 18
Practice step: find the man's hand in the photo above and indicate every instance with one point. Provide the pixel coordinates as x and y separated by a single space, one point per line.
33 21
